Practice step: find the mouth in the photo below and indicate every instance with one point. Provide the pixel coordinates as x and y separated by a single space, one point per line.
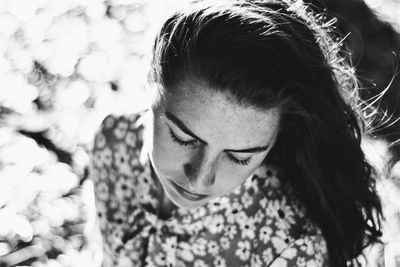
187 194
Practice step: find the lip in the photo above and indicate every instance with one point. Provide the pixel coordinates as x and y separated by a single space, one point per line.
187 194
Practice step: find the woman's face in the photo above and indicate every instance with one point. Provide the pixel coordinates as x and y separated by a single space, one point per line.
205 145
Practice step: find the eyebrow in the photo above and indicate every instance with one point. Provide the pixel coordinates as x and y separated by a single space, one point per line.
187 131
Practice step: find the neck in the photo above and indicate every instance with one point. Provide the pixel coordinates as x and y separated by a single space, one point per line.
166 206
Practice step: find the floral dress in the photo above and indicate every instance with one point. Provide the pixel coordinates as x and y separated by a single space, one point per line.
260 223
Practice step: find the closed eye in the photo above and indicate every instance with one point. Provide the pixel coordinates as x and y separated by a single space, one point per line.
181 142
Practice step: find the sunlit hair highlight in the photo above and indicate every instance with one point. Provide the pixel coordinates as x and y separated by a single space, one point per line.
267 54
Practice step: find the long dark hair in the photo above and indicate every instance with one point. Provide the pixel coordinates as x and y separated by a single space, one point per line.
276 54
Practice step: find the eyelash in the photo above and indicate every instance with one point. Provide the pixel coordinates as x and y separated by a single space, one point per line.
187 143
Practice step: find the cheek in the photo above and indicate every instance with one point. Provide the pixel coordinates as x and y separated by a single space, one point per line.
230 177
166 155
227 183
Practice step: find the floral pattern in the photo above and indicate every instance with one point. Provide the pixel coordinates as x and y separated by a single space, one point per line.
260 223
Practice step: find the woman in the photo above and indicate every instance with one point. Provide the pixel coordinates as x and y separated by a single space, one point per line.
250 153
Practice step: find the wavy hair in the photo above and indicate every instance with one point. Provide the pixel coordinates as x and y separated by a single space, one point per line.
269 54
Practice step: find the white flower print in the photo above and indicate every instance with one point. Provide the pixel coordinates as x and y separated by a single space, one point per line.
130 139
120 130
241 218
160 259
272 180
217 224
142 188
278 243
102 158
267 255
301 262
318 259
232 211
243 250
179 264
149 262
121 159
110 176
263 202
102 208
247 200
289 253
114 203
130 246
273 206
115 238
312 263
100 141
123 189
144 180
102 174
186 219
134 161
228 228
214 206
265 234
199 263
124 261
259 216
199 247
102 191
225 202
231 231
248 229
119 217
285 214
213 247
185 251
145 196
108 122
169 244
133 121
279 262
254 186
196 226
219 262
225 244
309 246
255 260
199 213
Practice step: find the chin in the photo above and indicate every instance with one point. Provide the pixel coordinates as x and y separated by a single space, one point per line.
189 205
181 202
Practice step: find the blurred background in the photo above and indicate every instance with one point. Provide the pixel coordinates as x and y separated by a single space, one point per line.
66 64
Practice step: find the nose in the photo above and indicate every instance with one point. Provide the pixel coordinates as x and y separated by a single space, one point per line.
200 170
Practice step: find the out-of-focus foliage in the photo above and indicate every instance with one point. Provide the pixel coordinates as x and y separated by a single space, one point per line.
64 65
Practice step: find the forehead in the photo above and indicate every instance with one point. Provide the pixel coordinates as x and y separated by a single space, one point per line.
216 116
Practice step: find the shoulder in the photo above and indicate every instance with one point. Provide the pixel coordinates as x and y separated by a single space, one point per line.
308 250
118 143
116 126
287 236
279 200
115 129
